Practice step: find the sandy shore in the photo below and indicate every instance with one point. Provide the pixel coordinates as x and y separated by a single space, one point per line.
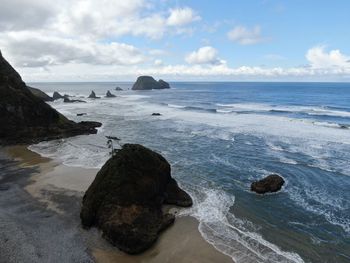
51 193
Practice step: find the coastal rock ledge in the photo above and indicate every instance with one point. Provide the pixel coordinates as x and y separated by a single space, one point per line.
125 199
269 184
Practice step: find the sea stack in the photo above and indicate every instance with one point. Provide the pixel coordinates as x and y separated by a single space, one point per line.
110 95
125 199
93 95
57 96
149 83
269 184
25 118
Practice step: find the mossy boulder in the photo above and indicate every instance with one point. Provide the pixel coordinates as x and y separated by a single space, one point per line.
125 199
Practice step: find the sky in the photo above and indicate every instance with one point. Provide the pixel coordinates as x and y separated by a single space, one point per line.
194 40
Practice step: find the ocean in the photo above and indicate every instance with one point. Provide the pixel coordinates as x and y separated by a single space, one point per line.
221 136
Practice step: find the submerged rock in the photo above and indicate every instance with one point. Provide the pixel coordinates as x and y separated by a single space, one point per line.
40 94
148 83
25 118
110 95
93 95
67 100
125 199
118 89
269 184
81 114
156 114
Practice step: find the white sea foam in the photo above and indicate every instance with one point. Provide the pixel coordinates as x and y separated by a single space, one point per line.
320 203
176 106
231 235
260 107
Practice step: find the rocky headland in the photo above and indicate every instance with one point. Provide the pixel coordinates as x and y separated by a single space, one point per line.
40 94
26 118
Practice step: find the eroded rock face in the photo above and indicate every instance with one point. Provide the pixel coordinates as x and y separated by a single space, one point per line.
25 118
125 199
148 83
269 184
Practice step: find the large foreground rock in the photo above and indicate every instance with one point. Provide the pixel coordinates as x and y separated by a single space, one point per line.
148 83
269 184
25 118
125 199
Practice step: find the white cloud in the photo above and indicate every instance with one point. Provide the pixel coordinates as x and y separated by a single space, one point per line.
43 51
158 62
47 33
245 36
319 58
204 55
182 16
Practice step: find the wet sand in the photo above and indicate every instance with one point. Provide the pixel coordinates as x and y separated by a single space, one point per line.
59 189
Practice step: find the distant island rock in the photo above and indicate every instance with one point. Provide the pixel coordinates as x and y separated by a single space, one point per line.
40 94
118 89
156 114
110 95
93 95
25 118
269 184
125 199
149 83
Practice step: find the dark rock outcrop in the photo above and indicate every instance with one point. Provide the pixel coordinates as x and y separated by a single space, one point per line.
156 114
118 89
93 95
125 199
57 96
148 83
110 95
40 94
81 114
269 184
68 100
25 118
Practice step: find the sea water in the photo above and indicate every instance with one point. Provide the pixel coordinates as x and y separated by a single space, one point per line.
220 137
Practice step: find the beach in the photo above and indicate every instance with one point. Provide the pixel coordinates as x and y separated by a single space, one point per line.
39 214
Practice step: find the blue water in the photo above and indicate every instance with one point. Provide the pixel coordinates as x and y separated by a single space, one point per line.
219 137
